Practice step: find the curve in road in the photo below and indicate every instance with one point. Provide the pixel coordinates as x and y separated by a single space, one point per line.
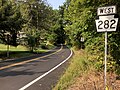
28 75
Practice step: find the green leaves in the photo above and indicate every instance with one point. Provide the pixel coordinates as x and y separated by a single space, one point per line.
82 14
11 22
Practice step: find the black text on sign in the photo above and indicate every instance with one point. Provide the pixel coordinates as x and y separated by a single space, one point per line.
106 10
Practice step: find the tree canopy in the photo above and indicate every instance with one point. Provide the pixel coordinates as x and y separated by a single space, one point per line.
11 22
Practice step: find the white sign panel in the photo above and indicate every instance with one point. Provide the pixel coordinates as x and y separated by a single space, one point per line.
106 23
106 10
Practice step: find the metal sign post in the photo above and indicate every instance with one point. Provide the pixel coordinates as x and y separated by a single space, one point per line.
106 23
105 69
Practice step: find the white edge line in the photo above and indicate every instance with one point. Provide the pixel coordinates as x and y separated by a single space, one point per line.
40 77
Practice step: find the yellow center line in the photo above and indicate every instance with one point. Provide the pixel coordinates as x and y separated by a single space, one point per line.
20 63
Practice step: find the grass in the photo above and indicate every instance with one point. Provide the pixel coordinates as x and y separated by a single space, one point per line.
41 50
18 48
78 66
15 52
19 51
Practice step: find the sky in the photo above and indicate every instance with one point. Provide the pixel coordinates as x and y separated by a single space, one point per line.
56 3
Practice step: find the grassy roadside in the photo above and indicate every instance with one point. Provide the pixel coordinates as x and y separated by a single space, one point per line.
18 48
19 51
15 52
78 66
82 75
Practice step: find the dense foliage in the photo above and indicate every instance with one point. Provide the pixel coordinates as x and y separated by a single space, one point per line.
31 17
57 33
80 16
11 22
37 13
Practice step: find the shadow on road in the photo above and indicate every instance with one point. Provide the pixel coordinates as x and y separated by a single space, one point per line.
11 61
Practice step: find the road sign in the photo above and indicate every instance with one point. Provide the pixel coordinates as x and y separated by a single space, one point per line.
106 10
106 23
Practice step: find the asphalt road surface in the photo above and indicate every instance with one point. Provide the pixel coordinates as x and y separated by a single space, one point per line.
39 72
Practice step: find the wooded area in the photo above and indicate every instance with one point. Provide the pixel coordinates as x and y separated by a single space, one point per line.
80 16
34 18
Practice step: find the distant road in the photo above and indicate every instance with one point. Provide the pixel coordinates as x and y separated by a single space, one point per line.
39 72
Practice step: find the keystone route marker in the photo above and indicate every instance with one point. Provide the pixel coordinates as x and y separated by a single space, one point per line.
106 23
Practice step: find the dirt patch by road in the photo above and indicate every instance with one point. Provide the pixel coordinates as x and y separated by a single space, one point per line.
95 81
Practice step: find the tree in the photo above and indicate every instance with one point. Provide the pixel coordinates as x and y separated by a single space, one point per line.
80 18
37 13
58 34
11 22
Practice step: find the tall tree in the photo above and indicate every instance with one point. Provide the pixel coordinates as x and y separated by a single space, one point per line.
58 35
37 14
10 22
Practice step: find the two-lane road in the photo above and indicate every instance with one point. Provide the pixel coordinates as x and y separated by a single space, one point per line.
39 73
